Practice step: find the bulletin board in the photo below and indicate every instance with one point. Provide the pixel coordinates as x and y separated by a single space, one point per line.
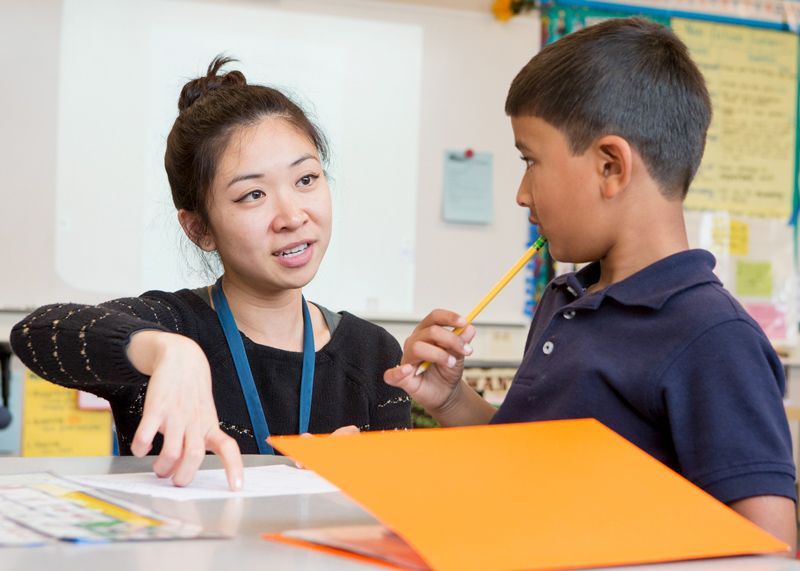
742 201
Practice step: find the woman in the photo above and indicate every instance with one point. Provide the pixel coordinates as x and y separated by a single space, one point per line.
222 367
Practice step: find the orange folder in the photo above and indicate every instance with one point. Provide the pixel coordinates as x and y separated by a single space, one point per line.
544 495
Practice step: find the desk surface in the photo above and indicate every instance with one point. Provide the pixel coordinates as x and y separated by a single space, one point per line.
247 518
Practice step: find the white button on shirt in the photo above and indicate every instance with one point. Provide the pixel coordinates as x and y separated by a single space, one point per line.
572 291
569 314
547 348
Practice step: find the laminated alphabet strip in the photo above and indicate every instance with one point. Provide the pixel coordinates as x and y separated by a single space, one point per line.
38 508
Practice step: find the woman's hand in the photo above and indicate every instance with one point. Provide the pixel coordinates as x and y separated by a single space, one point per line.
349 429
179 404
439 388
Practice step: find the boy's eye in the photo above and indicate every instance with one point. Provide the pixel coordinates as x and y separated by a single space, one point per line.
251 196
307 180
528 162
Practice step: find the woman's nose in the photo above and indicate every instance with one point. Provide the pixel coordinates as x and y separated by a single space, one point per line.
289 214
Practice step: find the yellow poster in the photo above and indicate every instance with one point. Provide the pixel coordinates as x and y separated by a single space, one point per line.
749 161
53 425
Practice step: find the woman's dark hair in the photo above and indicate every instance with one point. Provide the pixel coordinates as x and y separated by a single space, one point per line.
210 110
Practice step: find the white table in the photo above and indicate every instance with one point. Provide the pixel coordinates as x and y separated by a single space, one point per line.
247 519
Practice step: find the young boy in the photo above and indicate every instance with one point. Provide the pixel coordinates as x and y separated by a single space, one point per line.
611 122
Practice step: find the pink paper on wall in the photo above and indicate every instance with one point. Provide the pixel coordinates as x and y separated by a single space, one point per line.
771 318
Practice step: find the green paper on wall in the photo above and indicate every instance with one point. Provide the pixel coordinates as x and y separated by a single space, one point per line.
754 278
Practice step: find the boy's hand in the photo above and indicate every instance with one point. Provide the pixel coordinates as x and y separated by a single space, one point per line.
179 404
445 350
439 389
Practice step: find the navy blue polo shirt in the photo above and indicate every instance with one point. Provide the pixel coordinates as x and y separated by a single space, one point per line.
669 360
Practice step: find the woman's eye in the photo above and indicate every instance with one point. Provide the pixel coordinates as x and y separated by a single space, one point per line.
528 162
251 196
307 180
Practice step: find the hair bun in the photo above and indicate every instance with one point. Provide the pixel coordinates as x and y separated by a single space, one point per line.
203 86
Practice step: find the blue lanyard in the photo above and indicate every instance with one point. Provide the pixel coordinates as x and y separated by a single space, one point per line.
234 338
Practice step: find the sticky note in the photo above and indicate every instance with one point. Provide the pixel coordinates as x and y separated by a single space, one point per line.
754 278
731 236
771 317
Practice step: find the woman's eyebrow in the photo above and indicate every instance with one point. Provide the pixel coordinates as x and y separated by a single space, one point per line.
240 177
249 176
303 158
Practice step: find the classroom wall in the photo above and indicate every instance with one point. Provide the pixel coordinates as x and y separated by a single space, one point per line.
29 39
469 60
29 35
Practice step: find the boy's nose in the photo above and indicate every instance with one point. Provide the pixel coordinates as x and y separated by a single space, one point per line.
524 195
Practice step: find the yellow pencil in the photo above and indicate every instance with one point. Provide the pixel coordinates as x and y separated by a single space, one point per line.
495 290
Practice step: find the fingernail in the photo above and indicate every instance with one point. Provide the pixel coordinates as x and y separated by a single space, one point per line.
467 349
237 485
451 361
406 369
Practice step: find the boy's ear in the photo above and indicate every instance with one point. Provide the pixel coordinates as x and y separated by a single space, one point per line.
196 231
614 164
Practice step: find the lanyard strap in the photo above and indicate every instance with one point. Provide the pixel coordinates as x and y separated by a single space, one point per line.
252 400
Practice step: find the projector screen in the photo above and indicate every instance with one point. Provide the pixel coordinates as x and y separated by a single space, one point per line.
122 66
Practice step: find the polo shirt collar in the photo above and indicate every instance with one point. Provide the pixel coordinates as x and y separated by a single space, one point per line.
650 287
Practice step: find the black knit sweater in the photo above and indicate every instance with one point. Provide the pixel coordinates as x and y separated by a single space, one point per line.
83 347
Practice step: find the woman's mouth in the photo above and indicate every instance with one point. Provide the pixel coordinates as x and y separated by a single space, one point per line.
295 255
292 251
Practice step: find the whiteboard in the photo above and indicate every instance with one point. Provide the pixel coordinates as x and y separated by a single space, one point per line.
145 50
392 85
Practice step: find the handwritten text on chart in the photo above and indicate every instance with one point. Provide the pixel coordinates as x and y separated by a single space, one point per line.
751 74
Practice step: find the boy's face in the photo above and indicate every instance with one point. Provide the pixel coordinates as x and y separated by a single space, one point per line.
560 190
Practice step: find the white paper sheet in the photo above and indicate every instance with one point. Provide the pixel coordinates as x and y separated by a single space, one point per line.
278 480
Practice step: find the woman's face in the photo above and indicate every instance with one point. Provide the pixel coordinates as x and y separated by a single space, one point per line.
269 208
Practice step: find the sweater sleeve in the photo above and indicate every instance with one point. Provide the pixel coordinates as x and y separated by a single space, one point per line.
84 346
391 409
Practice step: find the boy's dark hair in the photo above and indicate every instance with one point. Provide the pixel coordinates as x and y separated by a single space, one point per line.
628 77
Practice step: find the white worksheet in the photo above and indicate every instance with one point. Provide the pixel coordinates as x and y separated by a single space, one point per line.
278 480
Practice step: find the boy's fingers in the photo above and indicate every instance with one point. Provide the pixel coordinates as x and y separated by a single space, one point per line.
468 334
397 374
408 382
432 353
451 342
444 318
228 451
